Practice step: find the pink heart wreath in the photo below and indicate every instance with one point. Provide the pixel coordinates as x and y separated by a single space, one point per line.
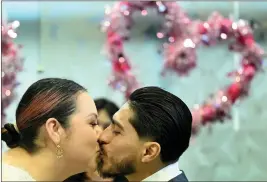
12 63
183 36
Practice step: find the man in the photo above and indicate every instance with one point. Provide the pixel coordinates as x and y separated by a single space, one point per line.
147 137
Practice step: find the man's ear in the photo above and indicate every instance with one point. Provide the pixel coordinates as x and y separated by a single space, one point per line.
150 152
54 130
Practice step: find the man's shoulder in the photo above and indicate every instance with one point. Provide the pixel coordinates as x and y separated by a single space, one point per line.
180 177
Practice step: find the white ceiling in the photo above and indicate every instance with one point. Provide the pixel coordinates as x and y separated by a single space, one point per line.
31 10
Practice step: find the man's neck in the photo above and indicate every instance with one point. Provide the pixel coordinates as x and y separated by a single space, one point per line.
145 171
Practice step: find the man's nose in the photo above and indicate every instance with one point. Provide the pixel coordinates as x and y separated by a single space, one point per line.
104 137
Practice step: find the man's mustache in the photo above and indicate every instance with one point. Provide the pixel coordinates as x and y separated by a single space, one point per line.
102 150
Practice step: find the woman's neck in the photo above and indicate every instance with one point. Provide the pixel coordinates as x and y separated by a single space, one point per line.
43 166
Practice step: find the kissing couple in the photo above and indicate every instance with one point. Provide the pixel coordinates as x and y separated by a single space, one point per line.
57 117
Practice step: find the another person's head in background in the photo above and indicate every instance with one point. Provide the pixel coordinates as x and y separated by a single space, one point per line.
151 131
55 118
106 109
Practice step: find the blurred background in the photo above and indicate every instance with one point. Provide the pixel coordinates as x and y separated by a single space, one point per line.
63 39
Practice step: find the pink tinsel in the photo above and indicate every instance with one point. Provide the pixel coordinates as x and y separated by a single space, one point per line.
184 36
11 63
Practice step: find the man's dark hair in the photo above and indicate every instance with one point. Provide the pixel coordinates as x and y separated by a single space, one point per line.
164 118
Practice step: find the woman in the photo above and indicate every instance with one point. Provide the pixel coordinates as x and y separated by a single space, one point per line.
55 134
106 109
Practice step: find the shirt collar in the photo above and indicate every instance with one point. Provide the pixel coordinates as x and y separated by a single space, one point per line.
165 174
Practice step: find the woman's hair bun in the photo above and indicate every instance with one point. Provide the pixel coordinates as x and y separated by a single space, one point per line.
10 135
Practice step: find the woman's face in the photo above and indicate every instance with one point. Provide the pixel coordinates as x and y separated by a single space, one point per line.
103 119
80 147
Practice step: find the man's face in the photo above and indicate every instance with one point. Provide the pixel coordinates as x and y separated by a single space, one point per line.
120 146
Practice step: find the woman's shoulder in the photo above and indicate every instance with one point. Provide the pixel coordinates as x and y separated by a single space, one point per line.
12 173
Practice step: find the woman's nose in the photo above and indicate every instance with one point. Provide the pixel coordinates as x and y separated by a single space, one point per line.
98 130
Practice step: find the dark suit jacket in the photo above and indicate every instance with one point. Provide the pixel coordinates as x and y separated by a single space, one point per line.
180 177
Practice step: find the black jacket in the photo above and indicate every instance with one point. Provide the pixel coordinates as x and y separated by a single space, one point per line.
180 177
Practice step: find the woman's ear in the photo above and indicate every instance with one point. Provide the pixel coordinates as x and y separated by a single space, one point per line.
151 151
54 130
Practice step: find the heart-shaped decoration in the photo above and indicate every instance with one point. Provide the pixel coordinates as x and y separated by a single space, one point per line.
183 36
12 63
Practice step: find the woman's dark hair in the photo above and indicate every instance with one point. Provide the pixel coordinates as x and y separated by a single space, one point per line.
110 107
44 99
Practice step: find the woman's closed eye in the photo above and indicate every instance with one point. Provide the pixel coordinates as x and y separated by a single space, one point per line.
93 124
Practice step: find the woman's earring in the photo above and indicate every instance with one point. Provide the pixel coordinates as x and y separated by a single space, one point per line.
59 152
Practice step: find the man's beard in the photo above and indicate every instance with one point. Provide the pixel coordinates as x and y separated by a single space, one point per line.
122 168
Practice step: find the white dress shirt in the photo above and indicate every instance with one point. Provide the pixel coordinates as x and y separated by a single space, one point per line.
165 174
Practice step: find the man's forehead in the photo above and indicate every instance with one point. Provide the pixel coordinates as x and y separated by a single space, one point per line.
125 106
123 114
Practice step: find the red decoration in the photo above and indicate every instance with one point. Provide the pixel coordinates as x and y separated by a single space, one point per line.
11 63
184 36
234 91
